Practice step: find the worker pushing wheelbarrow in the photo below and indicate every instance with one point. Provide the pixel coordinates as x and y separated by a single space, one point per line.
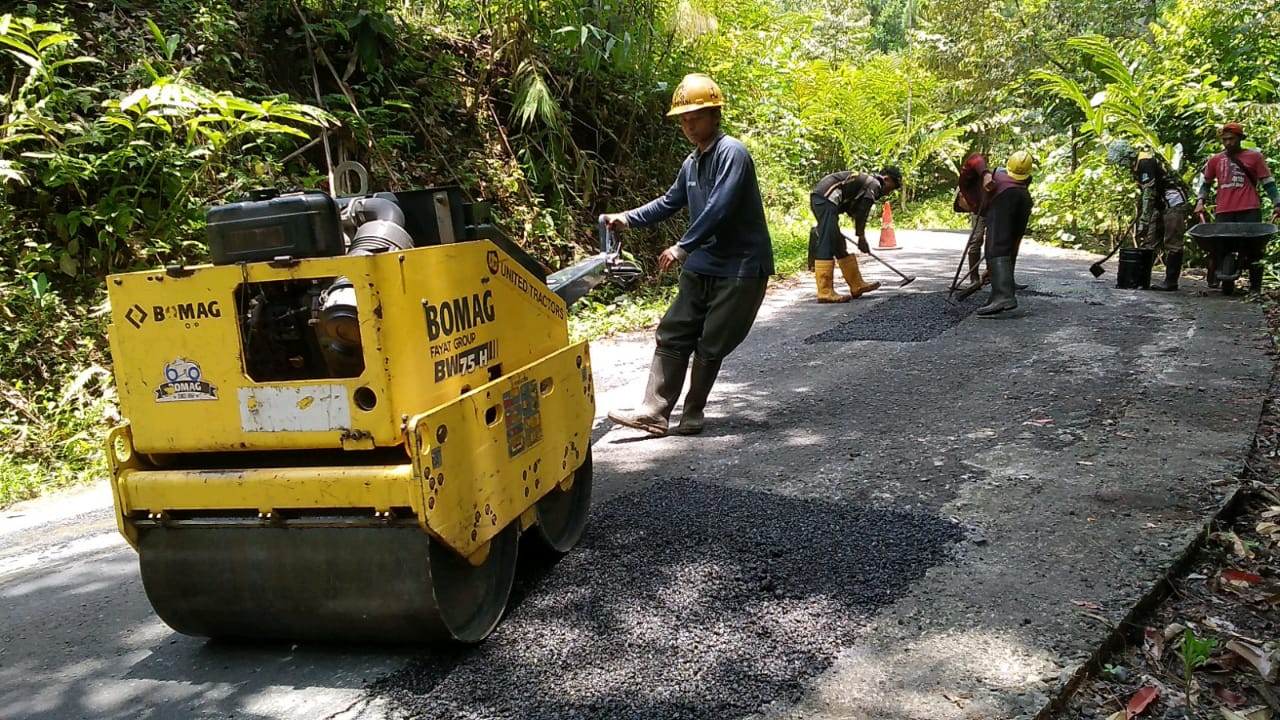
1238 239
1231 248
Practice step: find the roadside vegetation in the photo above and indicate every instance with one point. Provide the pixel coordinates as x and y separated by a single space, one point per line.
122 121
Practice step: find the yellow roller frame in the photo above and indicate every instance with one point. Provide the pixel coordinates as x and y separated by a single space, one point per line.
479 463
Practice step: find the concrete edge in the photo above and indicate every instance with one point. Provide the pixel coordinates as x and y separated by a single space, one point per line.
1122 633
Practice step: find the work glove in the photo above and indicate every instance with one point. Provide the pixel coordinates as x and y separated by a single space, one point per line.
863 247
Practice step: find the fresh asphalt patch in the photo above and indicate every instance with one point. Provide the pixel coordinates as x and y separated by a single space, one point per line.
684 600
913 317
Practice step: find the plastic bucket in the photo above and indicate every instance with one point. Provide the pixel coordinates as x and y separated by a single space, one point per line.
1135 268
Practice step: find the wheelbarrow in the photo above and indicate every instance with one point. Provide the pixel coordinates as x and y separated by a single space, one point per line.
1232 247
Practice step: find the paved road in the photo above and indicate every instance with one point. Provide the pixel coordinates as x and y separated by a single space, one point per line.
1077 447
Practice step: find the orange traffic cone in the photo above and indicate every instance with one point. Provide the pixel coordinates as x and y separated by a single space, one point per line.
887 240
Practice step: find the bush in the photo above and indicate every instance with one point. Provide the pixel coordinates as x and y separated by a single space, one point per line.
51 439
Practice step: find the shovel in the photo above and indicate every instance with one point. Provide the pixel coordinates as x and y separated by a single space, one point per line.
1096 268
906 279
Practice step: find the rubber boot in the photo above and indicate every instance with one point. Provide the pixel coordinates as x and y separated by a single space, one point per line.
1255 278
853 276
1172 269
1013 264
1002 292
824 273
1227 269
1147 261
666 378
975 261
701 377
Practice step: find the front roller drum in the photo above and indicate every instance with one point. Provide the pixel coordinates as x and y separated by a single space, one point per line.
324 583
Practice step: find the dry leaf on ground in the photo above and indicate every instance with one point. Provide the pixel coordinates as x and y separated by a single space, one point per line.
1230 699
1240 577
1140 701
1259 713
1261 661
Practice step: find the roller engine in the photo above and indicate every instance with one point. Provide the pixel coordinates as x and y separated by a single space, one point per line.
339 428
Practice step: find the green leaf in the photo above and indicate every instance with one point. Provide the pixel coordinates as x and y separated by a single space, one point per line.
18 45
19 138
55 39
120 120
533 98
57 64
31 60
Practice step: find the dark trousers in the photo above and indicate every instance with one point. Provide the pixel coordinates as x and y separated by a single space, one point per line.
973 248
710 315
1007 219
831 244
1254 215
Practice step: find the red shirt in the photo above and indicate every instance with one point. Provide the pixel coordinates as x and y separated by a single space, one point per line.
1236 191
970 185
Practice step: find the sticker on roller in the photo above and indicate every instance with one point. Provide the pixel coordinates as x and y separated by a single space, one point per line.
307 408
523 415
183 382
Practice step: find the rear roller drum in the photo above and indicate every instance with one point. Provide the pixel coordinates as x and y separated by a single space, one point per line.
562 514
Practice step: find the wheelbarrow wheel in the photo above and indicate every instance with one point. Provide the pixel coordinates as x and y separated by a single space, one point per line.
1228 286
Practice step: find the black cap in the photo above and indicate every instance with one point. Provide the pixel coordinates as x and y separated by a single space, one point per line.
893 173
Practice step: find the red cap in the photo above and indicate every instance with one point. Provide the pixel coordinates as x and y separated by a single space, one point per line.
1234 128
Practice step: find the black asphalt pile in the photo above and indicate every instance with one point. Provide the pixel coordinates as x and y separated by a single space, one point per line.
685 600
908 317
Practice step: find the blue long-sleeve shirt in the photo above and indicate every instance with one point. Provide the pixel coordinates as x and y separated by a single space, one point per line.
727 235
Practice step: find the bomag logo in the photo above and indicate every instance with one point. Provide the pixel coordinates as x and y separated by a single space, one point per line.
491 259
186 311
458 314
184 382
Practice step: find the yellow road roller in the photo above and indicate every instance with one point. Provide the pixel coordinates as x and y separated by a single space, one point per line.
339 428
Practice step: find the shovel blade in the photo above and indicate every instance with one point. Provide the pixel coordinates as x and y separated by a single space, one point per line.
1096 270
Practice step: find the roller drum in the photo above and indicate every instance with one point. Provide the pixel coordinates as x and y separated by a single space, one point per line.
325 584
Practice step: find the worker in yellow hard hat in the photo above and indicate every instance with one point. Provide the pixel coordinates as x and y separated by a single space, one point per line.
851 193
726 258
1008 212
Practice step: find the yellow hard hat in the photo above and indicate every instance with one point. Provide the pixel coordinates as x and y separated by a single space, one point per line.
1019 165
695 92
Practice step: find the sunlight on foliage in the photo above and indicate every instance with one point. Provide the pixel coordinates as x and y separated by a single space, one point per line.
117 131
